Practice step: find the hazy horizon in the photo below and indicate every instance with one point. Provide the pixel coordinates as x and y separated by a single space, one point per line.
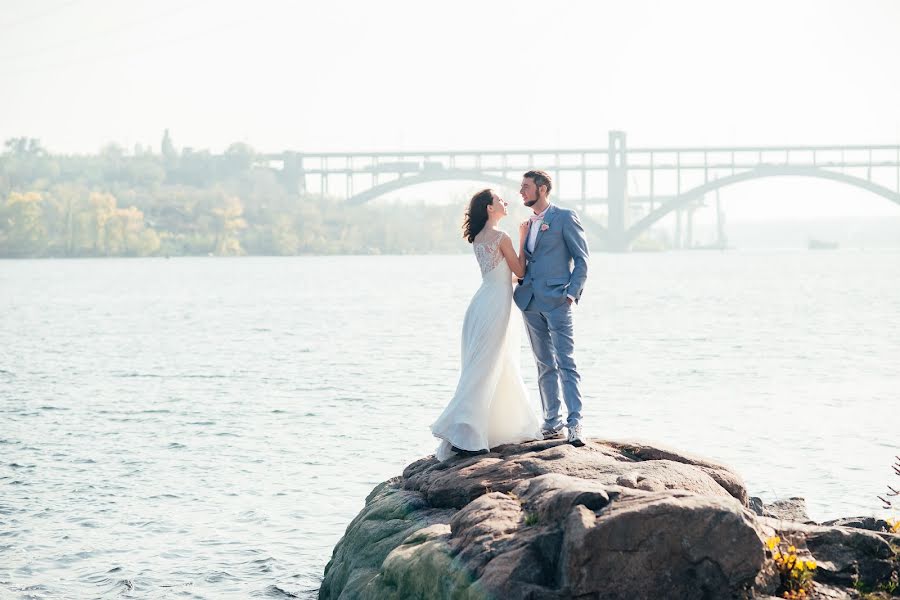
353 76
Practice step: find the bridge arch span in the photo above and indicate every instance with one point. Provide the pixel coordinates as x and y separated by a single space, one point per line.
429 177
685 198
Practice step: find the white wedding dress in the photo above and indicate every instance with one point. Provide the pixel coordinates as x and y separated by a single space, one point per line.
491 405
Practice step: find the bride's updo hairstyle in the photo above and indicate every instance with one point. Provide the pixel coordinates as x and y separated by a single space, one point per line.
476 215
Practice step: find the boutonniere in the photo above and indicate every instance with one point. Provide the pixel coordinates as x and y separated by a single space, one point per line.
544 227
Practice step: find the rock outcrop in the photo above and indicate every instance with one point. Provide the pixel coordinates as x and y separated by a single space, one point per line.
546 520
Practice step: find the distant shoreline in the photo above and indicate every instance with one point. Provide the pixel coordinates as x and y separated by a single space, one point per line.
696 250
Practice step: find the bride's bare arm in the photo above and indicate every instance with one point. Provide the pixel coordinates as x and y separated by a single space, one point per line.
515 261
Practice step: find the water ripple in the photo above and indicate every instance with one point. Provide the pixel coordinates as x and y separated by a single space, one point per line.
156 404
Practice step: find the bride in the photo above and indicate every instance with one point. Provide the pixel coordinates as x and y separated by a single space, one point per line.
490 406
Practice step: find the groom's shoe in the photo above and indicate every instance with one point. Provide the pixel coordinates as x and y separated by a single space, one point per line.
552 434
576 438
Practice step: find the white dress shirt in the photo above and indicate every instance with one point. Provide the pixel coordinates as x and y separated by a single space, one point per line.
535 228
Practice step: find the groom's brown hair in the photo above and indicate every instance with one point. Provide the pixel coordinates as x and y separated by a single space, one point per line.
540 178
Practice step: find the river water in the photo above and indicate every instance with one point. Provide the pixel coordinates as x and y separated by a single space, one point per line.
206 428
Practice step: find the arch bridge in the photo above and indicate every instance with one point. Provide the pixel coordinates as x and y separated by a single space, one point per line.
638 186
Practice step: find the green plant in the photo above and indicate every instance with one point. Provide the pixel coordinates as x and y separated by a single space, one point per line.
531 519
796 573
881 592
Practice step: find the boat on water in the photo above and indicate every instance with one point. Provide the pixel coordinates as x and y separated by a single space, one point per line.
822 245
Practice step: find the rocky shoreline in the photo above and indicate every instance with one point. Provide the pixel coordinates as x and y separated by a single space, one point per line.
613 520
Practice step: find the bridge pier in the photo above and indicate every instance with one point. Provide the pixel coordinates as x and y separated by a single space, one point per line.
292 173
617 193
721 238
678 234
692 208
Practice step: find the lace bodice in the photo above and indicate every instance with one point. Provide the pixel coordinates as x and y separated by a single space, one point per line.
487 249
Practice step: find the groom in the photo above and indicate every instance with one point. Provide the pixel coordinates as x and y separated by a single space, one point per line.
556 255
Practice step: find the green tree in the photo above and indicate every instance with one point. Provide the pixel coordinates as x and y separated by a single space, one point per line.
228 224
285 237
190 203
144 171
22 146
238 159
127 235
103 209
25 230
25 161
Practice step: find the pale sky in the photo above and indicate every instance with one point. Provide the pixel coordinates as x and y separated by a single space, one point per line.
407 75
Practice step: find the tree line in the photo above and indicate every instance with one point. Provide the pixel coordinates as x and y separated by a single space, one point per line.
175 203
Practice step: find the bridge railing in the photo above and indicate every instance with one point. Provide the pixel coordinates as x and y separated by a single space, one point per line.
584 171
739 157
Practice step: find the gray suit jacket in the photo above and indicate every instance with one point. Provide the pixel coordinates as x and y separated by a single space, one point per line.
559 264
